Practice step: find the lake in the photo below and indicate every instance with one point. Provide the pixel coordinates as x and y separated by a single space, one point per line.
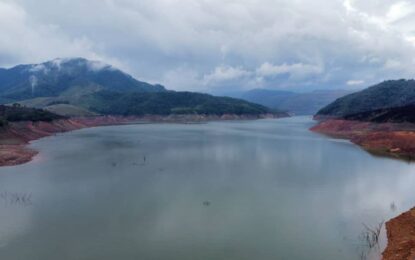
266 189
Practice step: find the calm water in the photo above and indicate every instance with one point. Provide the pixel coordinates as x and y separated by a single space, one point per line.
267 189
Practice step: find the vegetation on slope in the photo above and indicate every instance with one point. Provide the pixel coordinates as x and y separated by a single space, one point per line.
388 94
18 113
66 77
405 114
165 103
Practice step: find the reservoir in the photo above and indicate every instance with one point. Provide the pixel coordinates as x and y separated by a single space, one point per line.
234 190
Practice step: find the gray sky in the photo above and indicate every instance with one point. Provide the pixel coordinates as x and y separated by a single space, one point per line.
220 45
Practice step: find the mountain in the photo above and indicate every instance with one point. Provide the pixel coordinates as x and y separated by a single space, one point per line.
405 114
62 77
165 103
79 87
298 103
267 97
388 94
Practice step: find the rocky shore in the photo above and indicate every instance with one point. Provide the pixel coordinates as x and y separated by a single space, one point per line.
16 135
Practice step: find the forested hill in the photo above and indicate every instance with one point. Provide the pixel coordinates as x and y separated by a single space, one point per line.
405 114
75 76
17 113
170 102
79 87
388 94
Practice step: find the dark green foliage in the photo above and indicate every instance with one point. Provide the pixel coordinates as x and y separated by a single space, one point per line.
405 114
18 113
393 93
165 103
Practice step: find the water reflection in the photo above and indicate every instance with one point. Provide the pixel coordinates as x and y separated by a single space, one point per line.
265 189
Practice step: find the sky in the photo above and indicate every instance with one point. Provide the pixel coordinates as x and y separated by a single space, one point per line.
220 45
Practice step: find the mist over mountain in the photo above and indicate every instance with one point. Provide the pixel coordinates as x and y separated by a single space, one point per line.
80 87
61 77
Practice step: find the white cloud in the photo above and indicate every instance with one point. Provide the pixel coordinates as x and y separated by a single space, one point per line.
392 64
296 71
355 82
200 44
225 73
182 78
98 65
399 11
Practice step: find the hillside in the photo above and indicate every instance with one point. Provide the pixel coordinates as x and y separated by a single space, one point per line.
380 119
79 87
405 114
307 103
66 77
165 103
17 113
388 94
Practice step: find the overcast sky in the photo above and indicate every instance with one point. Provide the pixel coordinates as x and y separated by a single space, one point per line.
220 45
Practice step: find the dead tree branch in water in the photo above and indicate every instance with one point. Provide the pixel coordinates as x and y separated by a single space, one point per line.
16 198
371 235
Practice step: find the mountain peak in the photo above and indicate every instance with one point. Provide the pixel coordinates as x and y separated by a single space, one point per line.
67 75
60 64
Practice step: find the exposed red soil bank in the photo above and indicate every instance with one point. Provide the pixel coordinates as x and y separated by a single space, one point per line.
401 237
15 136
396 140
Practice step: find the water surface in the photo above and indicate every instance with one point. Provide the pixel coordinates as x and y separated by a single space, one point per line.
266 189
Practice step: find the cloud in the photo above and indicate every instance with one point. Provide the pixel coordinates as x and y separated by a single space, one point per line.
355 82
225 73
296 71
202 45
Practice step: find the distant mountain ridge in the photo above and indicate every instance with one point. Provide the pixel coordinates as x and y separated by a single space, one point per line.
63 76
307 103
388 94
79 87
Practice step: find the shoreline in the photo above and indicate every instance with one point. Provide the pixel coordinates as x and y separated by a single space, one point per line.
15 137
382 139
401 237
389 140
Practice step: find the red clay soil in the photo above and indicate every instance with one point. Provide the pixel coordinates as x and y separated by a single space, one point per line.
401 237
394 140
15 136
15 154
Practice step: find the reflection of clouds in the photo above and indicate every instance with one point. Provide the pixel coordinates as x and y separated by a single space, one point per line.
376 188
272 184
14 222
